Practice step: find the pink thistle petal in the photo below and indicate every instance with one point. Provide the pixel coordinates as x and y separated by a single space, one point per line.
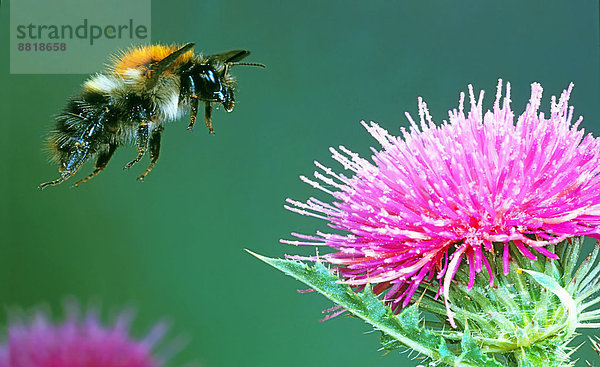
489 270
332 315
452 268
470 260
309 290
478 255
524 250
545 252
505 258
439 192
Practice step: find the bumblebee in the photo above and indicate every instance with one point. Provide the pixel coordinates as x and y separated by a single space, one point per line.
141 90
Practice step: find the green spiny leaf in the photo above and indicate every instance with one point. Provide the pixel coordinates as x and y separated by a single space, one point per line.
569 304
403 328
571 256
471 352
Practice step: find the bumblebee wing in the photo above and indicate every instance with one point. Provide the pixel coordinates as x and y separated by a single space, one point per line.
164 64
230 56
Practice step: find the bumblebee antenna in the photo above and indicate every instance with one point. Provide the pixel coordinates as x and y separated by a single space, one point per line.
249 64
234 63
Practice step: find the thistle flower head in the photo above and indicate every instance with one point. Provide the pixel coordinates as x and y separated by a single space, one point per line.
440 195
77 342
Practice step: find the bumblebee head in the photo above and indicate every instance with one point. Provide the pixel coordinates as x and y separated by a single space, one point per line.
218 78
208 80
215 86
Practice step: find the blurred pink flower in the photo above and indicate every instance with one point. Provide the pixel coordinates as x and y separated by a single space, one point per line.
78 342
441 194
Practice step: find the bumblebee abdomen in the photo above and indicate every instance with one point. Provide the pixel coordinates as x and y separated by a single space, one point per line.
89 119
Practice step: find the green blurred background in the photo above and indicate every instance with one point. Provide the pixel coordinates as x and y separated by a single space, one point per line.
173 246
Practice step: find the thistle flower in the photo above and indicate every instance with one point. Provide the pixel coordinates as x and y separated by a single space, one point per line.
439 195
78 342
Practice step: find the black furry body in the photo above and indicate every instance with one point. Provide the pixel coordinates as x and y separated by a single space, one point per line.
93 123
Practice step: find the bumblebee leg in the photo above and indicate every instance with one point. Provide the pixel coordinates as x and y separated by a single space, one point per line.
101 163
63 177
154 151
141 141
193 111
208 117
70 167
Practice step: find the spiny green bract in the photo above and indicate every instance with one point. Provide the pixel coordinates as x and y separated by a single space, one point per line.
403 328
528 316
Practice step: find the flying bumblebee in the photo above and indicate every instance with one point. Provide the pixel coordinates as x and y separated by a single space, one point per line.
142 89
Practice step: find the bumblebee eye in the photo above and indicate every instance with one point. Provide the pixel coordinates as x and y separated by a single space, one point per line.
210 76
211 84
